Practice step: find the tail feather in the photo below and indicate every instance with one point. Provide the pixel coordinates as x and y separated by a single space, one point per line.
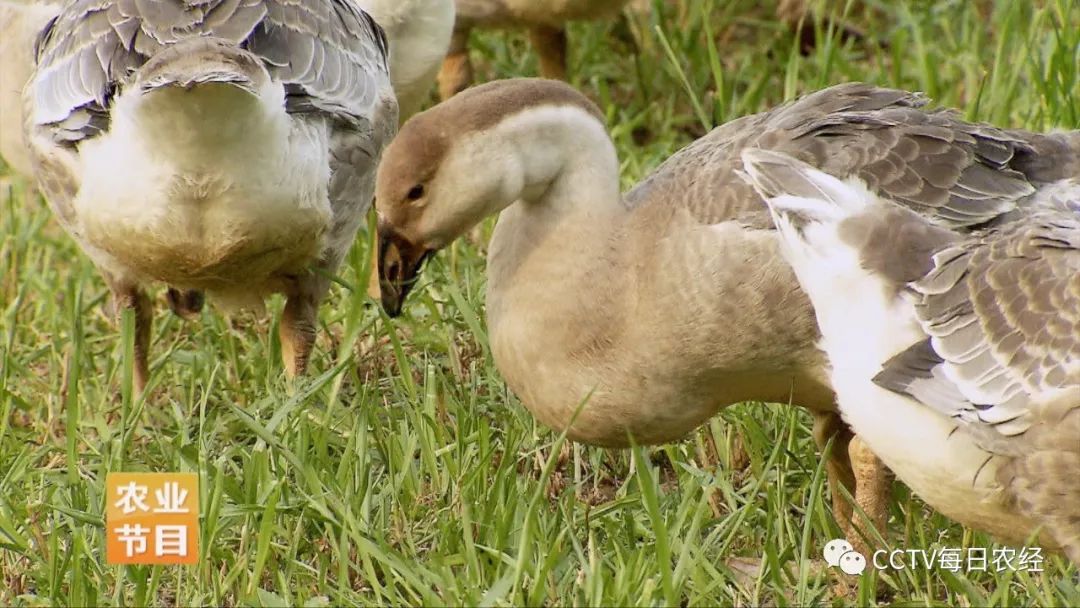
203 60
801 192
892 242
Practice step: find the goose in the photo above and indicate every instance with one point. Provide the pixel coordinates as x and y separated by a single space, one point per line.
20 23
419 35
658 307
545 19
214 146
955 357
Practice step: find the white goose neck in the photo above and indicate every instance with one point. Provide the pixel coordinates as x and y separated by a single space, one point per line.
567 160
567 192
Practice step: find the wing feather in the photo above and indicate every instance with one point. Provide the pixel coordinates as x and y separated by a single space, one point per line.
1002 312
330 55
959 174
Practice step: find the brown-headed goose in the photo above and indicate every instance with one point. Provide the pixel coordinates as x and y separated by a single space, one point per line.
545 19
212 145
955 357
661 306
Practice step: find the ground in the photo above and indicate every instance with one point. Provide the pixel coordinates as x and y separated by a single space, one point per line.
403 471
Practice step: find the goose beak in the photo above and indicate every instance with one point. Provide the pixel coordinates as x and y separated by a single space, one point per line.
400 262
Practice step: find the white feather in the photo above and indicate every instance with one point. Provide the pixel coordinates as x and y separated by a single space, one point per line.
208 176
863 325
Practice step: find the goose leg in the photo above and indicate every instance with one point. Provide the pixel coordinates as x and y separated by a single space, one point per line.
873 489
838 468
456 73
298 322
129 296
550 44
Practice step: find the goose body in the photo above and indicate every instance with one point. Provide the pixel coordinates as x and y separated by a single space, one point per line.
223 148
419 34
20 23
955 357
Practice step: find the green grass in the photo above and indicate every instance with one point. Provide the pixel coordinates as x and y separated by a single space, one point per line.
403 471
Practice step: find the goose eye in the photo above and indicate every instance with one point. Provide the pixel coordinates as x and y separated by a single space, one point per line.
416 192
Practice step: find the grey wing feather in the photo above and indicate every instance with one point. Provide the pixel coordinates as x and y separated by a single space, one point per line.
917 372
959 174
316 48
1002 312
331 56
1003 359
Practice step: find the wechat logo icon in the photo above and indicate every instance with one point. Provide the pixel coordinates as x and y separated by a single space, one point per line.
839 552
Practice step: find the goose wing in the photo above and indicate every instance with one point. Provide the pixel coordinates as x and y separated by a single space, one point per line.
959 174
330 56
1002 312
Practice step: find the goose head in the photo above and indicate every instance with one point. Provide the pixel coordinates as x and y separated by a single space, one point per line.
463 160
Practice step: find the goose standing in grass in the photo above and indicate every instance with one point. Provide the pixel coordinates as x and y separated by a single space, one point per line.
659 307
545 19
955 357
212 145
20 23
419 34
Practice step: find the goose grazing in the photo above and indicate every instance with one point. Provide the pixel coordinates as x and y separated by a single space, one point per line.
419 34
545 19
955 357
20 23
212 145
658 307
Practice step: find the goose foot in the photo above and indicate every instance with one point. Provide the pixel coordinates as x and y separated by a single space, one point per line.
854 466
828 425
873 490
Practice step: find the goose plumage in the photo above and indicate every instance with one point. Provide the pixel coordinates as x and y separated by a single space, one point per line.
955 357
212 145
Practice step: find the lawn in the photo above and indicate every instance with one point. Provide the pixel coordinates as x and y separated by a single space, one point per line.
402 471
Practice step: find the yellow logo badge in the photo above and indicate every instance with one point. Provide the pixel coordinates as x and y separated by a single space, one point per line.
152 518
